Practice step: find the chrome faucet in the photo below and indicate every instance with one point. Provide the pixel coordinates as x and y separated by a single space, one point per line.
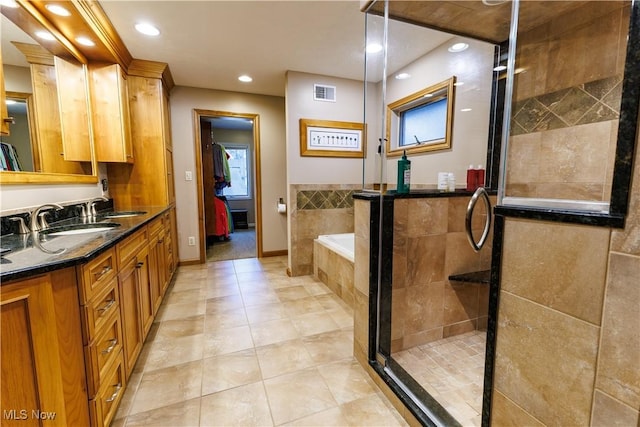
33 218
88 209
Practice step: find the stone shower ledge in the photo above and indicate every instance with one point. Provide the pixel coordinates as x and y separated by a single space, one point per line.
483 277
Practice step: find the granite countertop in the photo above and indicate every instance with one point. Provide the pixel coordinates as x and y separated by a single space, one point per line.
22 258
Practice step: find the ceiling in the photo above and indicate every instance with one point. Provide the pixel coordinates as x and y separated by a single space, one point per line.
208 44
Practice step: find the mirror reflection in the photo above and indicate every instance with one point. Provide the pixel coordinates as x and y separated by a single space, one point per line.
46 96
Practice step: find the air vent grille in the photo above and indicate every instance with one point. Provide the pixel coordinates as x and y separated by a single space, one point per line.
324 93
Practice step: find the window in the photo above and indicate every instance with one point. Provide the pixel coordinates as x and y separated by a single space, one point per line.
240 169
421 121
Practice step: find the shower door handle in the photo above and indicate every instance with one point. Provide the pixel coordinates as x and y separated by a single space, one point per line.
480 192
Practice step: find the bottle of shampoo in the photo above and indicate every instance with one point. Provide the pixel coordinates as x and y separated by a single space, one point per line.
404 174
472 179
480 176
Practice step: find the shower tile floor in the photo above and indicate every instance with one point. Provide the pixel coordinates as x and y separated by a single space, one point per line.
452 371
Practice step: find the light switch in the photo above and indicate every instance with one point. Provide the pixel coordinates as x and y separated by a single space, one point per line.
188 176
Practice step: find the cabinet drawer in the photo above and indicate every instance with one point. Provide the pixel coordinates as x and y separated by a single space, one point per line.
155 227
99 309
102 351
97 273
129 247
103 407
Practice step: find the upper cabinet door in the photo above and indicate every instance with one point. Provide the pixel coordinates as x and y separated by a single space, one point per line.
110 113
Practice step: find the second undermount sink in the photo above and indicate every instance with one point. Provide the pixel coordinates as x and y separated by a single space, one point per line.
124 214
68 230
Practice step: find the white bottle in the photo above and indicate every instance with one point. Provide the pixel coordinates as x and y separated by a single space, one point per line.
451 182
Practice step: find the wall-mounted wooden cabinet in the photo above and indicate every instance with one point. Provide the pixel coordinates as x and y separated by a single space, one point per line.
149 84
110 113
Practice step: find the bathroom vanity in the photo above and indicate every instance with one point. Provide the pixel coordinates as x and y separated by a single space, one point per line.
76 309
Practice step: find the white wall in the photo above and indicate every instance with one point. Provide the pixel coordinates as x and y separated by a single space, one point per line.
474 67
273 160
300 105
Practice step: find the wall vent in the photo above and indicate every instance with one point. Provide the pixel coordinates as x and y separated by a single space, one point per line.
324 93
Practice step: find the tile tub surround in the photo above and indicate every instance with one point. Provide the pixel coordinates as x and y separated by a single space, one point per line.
317 209
335 271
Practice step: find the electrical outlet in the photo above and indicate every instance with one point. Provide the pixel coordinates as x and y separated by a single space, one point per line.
192 241
188 176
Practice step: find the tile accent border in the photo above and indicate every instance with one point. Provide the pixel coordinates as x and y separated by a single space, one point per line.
324 199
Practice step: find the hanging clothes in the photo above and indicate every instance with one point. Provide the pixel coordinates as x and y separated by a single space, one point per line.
9 159
221 171
222 218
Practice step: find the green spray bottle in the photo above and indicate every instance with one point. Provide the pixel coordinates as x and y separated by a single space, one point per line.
404 174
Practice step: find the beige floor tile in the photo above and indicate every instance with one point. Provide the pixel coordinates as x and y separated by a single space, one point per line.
317 289
129 394
259 297
263 313
180 311
185 296
371 411
241 406
329 417
298 395
273 331
330 346
314 323
176 351
292 293
229 370
303 306
219 304
347 380
180 327
224 319
168 386
283 358
342 317
181 414
221 290
229 340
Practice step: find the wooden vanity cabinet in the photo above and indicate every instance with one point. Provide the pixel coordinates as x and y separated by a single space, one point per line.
42 352
110 113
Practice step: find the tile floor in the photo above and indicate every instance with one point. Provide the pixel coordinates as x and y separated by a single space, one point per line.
452 371
238 343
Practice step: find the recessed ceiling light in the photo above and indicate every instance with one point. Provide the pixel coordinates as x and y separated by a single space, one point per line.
458 47
374 48
403 76
45 35
458 84
9 3
466 109
58 10
244 78
500 68
85 41
147 29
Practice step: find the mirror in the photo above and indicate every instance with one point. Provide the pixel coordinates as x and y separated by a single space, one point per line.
19 106
52 93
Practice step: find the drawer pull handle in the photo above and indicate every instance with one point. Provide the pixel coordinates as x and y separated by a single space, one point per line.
113 343
160 240
107 306
140 264
105 270
115 394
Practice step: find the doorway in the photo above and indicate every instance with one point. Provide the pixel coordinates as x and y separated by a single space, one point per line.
227 169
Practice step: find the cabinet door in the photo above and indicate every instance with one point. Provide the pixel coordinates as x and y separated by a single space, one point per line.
157 276
4 115
110 110
31 374
130 313
144 289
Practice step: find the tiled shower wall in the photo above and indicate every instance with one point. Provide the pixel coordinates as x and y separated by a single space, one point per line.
565 115
317 209
429 245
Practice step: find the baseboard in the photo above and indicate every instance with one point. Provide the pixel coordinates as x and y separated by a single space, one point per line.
189 262
275 253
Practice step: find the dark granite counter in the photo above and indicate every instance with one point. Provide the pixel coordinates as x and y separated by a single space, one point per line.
26 255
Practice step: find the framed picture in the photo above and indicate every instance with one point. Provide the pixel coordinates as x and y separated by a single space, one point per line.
325 138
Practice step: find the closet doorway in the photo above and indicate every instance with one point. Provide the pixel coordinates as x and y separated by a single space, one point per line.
228 173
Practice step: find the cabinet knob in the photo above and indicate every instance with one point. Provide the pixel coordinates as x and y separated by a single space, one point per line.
140 264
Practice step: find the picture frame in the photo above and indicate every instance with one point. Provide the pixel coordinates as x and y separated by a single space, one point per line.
329 138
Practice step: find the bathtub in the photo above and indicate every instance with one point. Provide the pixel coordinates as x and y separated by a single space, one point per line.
344 244
333 258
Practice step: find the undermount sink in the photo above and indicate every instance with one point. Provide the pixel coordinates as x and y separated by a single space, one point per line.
123 214
68 230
